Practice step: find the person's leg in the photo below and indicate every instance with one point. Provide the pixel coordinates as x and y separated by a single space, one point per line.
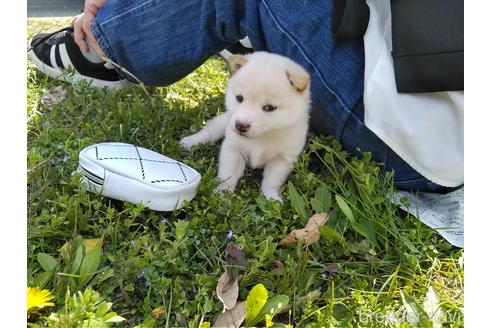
156 41
160 42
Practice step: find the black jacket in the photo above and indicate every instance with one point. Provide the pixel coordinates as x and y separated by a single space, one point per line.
427 37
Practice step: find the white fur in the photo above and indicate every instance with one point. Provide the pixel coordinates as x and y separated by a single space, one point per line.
275 139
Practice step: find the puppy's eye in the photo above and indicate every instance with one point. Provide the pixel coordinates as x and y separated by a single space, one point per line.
239 98
269 108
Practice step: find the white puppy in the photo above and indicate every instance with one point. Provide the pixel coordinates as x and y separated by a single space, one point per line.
266 121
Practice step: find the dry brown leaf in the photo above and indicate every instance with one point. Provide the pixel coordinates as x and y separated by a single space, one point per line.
235 259
53 96
310 233
232 318
332 269
227 290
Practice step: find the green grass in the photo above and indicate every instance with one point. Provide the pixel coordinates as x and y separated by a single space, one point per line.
172 261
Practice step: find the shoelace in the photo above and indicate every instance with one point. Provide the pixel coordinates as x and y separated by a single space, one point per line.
109 64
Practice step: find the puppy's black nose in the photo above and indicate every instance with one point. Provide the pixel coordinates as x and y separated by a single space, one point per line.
242 127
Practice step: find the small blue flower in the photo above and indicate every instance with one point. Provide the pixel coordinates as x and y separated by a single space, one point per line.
147 283
230 234
142 273
133 242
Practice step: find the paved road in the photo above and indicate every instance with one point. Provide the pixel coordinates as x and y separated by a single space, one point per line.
54 8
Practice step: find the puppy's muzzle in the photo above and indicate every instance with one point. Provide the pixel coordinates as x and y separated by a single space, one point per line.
242 127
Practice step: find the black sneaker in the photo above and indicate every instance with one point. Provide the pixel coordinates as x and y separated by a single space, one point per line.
54 52
242 47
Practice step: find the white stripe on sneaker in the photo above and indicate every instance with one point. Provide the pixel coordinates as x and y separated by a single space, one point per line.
64 56
246 43
226 54
53 57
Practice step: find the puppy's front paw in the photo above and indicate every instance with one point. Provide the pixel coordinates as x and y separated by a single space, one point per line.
189 141
226 186
273 195
222 190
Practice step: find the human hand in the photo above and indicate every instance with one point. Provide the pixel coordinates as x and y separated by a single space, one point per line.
82 23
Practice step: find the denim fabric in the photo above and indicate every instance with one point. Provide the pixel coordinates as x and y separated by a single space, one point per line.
161 41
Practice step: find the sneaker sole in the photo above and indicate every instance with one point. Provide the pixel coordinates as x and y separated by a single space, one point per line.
59 74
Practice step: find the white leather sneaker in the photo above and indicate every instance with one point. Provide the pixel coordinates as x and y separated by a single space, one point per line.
135 174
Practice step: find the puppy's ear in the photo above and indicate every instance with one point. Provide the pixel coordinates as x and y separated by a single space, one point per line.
236 62
298 77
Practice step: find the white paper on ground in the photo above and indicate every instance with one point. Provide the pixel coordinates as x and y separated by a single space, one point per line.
443 212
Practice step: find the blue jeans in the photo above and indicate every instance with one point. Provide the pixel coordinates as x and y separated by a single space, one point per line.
161 41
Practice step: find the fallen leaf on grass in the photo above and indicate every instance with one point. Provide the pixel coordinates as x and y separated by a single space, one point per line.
310 233
227 291
235 259
232 318
227 287
53 96
332 269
